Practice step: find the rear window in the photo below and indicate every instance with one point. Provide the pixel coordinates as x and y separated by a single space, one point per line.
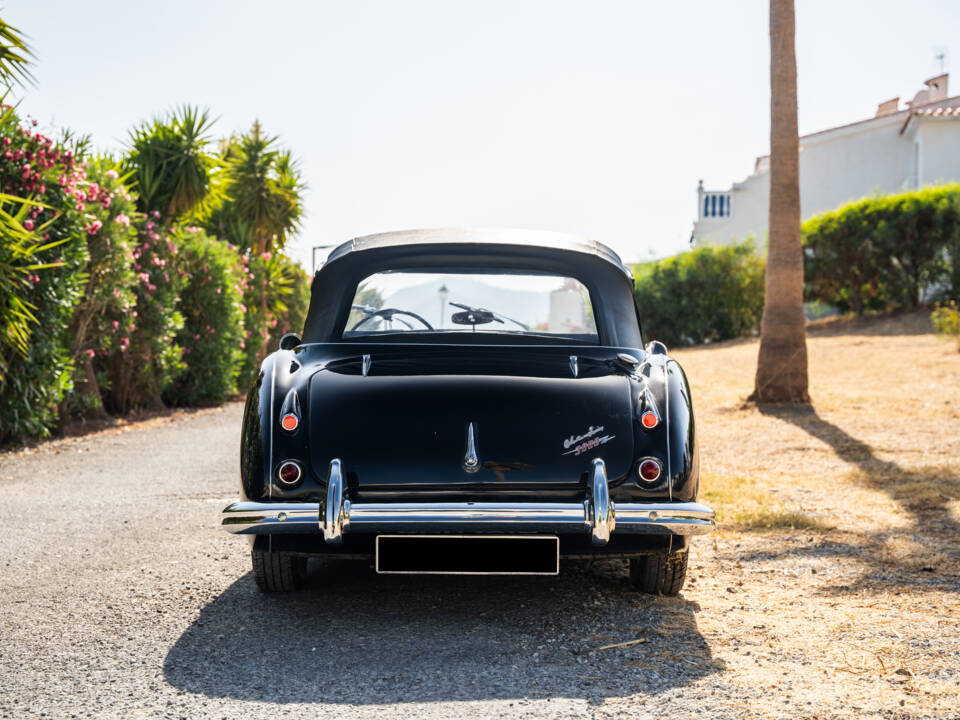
390 303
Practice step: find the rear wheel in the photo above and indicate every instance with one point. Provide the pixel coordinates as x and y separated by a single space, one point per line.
659 574
278 571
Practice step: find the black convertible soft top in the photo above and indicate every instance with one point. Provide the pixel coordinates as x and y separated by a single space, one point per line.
600 269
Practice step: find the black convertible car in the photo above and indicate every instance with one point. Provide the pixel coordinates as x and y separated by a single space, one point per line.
471 402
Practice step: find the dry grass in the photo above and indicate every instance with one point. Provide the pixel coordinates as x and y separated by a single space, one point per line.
832 587
743 504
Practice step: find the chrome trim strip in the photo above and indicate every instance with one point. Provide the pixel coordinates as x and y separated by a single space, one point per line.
471 463
365 363
602 513
250 517
666 427
574 365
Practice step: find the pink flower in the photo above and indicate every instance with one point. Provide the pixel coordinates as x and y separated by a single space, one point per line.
89 353
144 277
267 256
122 220
112 174
28 224
6 141
154 213
94 227
116 324
80 207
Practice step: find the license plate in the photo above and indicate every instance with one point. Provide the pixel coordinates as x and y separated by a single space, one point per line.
468 554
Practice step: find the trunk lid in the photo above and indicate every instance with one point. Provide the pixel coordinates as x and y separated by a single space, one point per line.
400 433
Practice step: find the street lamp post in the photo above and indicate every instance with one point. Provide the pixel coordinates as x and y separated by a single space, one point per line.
444 294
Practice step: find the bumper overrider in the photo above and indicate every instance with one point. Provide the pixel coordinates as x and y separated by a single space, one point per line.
596 515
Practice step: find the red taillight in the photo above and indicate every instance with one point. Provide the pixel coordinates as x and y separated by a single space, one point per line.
649 420
289 473
289 422
649 470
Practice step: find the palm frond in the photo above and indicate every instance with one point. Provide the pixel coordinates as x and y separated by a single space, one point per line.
15 57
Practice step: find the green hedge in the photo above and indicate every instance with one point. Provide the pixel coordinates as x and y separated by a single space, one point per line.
213 329
892 251
702 295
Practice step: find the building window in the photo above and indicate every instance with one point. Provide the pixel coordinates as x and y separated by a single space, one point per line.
717 205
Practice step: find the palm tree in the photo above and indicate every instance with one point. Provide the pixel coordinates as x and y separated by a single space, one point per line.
258 202
15 55
782 363
170 163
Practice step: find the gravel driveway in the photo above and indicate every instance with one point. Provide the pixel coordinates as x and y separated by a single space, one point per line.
123 598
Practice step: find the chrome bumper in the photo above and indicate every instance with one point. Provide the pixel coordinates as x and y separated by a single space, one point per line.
596 516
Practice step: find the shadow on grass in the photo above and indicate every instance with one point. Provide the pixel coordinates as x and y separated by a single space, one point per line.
359 638
924 493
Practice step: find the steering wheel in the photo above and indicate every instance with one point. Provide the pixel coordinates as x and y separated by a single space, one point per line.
388 313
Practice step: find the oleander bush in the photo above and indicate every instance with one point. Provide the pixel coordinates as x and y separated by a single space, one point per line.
885 252
702 295
110 217
213 334
144 356
48 223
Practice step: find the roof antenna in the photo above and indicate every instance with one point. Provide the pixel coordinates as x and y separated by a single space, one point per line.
940 55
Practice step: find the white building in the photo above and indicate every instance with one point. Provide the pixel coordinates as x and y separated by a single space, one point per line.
897 149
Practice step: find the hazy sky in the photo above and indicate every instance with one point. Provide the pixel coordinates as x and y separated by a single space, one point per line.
593 117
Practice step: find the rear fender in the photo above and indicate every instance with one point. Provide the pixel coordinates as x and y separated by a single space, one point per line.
264 445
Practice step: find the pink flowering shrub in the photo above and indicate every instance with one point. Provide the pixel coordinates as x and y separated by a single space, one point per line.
109 294
213 331
44 171
144 356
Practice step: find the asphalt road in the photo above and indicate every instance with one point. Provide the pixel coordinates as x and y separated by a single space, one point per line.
122 598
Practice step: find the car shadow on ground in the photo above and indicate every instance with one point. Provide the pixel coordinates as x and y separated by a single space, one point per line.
355 637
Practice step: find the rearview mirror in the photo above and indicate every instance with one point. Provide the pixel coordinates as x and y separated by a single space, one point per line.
289 341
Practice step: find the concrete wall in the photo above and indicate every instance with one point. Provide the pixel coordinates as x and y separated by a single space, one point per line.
939 150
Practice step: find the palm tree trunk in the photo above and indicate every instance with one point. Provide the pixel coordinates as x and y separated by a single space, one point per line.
782 364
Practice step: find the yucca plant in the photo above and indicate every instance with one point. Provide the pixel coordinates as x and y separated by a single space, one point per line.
19 251
258 201
171 166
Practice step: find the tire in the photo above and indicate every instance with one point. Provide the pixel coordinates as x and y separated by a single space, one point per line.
659 574
278 571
